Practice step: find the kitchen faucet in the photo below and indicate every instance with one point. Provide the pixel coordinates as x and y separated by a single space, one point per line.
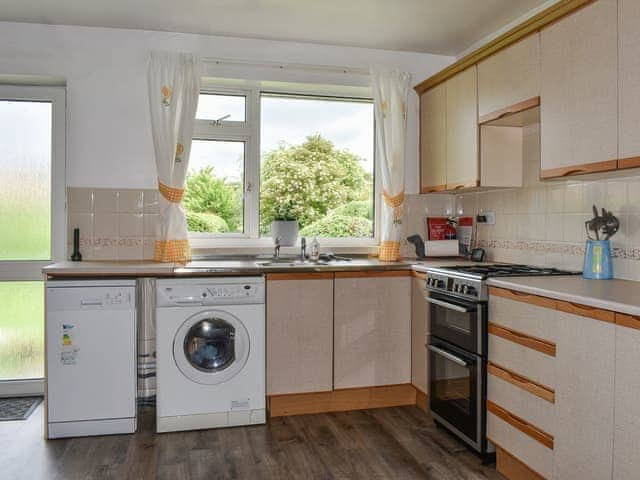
303 249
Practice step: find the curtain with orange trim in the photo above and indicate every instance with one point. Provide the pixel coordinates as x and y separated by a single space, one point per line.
174 86
390 92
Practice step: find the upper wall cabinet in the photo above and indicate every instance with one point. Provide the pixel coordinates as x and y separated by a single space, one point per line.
629 83
433 139
509 81
462 130
579 94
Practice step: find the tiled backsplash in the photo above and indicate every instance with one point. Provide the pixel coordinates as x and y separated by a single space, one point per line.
115 224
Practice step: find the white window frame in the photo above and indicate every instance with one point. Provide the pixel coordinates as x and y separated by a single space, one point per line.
31 270
249 132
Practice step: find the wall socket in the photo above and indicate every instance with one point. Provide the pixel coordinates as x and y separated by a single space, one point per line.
487 218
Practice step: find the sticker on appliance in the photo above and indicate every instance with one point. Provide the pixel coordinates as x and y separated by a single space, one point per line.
69 353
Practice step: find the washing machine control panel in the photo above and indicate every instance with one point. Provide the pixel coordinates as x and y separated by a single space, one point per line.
211 294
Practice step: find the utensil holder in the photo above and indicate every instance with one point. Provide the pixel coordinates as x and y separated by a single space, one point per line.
597 260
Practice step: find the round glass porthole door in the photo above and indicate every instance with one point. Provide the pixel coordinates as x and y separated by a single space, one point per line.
211 347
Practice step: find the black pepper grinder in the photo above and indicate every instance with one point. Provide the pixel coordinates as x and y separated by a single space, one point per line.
76 256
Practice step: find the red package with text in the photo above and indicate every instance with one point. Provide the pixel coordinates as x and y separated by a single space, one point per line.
440 228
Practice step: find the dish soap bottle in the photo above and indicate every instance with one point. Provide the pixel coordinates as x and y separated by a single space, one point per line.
314 251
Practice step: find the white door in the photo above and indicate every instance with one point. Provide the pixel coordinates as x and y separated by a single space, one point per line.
32 226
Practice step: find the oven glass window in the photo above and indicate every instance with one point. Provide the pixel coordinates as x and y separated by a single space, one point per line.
210 345
456 322
452 385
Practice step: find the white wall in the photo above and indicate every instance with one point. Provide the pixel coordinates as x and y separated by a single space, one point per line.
108 133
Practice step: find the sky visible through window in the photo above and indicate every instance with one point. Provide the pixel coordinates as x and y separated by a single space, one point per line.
349 125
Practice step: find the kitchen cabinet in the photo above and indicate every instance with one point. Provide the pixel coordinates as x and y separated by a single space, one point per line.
509 78
462 168
372 329
433 138
419 333
585 363
626 461
299 332
579 93
629 83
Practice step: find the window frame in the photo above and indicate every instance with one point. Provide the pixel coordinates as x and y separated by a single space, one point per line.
249 132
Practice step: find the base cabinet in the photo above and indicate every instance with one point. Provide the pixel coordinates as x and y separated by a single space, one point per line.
372 329
299 333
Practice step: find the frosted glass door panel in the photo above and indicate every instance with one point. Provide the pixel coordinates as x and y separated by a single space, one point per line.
21 330
25 176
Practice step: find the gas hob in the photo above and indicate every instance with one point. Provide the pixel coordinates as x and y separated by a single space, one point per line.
469 281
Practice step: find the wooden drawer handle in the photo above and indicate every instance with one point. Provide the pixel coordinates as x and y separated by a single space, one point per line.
521 382
574 171
542 346
458 187
525 427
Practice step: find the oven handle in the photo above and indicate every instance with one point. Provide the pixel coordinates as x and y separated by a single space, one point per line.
448 356
448 305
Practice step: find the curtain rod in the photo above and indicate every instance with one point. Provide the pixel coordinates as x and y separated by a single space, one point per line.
290 66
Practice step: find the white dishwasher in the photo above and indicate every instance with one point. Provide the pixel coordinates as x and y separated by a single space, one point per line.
91 357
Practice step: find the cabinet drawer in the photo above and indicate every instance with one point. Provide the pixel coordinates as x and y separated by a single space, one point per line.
529 363
531 452
535 319
521 397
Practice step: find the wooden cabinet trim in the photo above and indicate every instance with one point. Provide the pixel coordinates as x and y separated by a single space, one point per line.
512 467
341 400
522 382
581 169
463 185
373 274
586 311
525 427
420 275
511 109
629 321
523 297
301 276
631 162
542 346
433 189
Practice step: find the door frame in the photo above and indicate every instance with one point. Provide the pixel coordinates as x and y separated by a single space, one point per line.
19 270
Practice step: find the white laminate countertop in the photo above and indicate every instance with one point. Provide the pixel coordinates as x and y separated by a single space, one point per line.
617 295
109 268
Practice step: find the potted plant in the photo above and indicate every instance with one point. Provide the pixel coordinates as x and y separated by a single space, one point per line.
284 227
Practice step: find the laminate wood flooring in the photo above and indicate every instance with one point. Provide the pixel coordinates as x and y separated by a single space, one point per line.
386 443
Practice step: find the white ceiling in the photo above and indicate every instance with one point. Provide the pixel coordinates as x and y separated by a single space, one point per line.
434 26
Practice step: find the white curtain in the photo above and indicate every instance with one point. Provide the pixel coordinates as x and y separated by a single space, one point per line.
390 92
174 85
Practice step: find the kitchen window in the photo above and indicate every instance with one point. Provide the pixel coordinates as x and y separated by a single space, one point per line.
259 154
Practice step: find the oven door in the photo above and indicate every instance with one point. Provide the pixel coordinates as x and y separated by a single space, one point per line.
455 391
458 321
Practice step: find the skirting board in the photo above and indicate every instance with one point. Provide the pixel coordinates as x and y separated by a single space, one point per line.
513 468
341 400
422 400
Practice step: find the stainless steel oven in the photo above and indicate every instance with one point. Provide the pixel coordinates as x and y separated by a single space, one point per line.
458 367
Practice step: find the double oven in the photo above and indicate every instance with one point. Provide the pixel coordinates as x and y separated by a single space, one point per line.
457 353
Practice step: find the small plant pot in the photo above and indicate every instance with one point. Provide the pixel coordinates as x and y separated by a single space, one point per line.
286 231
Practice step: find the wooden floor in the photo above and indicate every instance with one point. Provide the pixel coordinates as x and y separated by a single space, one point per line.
397 443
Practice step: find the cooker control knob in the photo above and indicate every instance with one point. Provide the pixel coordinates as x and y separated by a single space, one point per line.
471 291
464 289
440 283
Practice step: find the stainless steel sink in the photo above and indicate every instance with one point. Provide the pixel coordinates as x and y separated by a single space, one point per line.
288 263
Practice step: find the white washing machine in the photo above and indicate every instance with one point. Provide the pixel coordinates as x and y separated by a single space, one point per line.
210 347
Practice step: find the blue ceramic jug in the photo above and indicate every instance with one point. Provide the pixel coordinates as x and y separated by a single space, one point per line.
597 260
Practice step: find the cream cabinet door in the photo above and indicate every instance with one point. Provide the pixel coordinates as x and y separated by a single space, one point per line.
462 130
579 94
372 321
509 77
299 333
629 82
626 460
585 362
433 139
419 333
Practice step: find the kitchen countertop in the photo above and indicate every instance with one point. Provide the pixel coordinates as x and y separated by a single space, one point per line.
230 266
617 295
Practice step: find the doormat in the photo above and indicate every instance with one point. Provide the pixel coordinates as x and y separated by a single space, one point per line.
17 408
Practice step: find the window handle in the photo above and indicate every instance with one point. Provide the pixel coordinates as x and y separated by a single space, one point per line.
249 186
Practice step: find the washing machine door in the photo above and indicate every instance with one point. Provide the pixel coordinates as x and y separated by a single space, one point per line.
211 347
